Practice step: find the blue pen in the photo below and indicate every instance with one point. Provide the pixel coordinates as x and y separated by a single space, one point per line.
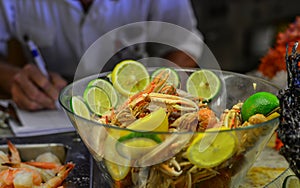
38 60
36 56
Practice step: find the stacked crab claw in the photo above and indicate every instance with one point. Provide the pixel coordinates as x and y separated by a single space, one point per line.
289 127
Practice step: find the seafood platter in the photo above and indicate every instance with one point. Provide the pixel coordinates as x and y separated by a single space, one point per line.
44 161
163 131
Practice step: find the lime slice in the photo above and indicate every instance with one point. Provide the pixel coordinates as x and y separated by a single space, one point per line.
108 88
210 149
203 83
259 103
173 78
291 181
136 144
117 171
79 107
130 77
97 100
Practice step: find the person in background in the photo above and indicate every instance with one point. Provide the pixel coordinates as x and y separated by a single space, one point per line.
63 30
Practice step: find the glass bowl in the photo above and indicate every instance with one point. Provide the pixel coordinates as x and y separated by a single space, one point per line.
166 164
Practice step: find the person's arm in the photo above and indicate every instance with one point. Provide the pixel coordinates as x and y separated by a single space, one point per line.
29 88
7 73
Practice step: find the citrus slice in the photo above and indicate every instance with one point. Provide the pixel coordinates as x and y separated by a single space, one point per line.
212 148
173 78
156 121
107 87
130 77
117 171
259 103
117 166
203 83
136 144
79 107
97 100
291 181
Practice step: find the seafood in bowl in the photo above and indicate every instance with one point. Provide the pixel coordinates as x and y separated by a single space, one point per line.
166 135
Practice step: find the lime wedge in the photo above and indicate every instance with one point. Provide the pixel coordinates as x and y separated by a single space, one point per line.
173 78
107 87
79 107
97 100
291 181
130 77
210 149
203 83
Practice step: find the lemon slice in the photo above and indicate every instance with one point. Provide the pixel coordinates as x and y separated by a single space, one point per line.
97 100
117 166
108 88
203 83
117 171
212 148
79 107
156 121
130 77
173 78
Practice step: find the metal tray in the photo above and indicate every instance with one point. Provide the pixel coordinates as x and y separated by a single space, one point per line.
67 146
31 151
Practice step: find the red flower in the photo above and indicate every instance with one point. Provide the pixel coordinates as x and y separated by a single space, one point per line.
274 60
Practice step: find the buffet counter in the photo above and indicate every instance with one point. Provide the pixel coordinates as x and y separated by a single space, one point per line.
264 173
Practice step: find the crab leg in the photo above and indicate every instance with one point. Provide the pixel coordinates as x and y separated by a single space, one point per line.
176 101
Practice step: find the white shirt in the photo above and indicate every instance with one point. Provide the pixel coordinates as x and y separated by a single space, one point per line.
63 32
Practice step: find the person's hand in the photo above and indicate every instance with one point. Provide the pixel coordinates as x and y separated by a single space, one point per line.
31 90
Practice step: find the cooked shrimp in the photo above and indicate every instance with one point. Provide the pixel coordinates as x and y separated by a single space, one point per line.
59 178
13 154
31 174
12 177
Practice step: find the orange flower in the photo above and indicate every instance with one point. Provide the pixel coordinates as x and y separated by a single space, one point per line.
274 60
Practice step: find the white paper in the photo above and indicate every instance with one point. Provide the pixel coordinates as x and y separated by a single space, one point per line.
41 123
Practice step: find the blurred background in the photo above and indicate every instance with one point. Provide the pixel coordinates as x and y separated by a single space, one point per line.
240 32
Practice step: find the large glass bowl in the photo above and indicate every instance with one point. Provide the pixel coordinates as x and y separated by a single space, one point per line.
157 166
